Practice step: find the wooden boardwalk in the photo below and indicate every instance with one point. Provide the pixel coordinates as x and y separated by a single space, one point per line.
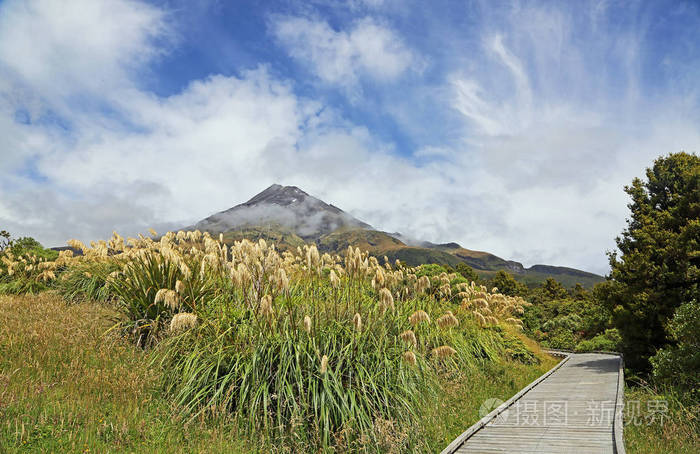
572 410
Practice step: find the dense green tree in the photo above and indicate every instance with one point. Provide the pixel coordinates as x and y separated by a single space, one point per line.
507 284
549 290
679 364
26 243
467 271
23 246
5 240
656 269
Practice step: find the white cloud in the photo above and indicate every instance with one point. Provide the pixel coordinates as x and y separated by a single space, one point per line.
214 144
368 48
537 174
84 45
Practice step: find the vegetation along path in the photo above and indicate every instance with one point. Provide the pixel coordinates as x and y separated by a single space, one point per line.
572 409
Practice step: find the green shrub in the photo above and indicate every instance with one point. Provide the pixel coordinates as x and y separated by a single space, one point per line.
679 365
609 341
137 284
560 339
86 281
20 286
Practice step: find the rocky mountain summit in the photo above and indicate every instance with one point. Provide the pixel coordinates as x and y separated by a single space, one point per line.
286 206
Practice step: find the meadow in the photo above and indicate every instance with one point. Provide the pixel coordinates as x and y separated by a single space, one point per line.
182 343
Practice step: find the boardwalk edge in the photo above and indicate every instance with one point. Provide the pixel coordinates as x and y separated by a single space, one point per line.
464 436
618 424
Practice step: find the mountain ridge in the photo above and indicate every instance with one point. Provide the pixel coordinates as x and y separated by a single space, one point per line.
289 216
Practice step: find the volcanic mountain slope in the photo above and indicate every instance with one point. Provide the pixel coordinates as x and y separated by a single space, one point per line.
287 206
289 217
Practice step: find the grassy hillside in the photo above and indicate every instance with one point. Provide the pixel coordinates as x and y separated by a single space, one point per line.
534 278
415 256
276 234
372 241
478 260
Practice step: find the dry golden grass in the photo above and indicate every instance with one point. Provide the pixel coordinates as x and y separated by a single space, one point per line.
673 428
65 386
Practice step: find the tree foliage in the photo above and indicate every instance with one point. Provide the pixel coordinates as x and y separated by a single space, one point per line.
679 364
657 267
5 240
507 284
467 272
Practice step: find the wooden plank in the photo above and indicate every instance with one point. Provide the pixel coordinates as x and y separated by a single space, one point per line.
575 407
457 442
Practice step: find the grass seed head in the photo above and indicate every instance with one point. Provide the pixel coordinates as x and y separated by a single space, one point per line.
307 324
515 321
357 322
409 337
444 351
410 358
169 297
481 303
447 321
422 284
335 281
266 306
418 317
380 277
281 280
77 244
183 321
386 299
481 320
324 364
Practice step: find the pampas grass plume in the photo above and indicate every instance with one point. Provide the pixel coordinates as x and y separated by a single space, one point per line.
423 284
357 322
409 337
335 281
387 300
419 316
182 321
169 297
444 351
324 364
410 357
266 306
447 321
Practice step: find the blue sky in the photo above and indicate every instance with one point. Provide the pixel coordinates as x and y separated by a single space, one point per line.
510 127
